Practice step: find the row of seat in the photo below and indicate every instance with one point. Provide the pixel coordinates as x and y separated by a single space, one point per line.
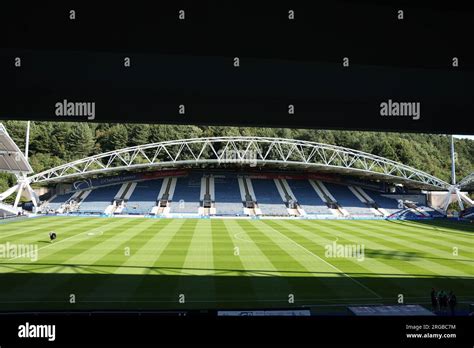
143 197
228 198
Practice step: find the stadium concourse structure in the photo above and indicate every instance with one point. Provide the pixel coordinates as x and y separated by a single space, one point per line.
238 176
13 161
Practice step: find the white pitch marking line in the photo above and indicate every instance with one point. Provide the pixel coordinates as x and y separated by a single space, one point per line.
2 236
50 245
329 264
236 236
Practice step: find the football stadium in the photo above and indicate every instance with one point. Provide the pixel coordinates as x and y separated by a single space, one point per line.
233 223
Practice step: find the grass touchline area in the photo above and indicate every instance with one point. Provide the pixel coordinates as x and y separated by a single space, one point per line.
111 263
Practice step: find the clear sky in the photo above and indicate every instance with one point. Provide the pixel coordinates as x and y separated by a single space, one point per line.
465 136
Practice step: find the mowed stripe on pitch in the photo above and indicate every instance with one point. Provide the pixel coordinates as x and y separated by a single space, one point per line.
139 251
455 230
439 249
159 279
320 266
437 266
34 227
310 237
195 257
254 260
166 267
388 268
87 247
197 281
45 247
130 261
200 257
232 282
258 265
40 234
415 234
58 260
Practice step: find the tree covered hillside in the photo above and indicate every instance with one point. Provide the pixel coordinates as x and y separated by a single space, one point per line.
55 143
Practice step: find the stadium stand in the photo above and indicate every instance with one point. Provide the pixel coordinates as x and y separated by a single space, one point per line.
268 199
388 204
228 200
347 200
231 194
431 212
307 198
143 198
125 191
410 214
164 196
99 199
225 195
186 195
467 213
59 200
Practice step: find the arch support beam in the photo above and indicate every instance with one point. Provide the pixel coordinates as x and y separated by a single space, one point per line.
246 151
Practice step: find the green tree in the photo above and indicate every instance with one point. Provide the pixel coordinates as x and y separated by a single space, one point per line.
138 134
118 137
41 161
80 141
384 149
59 139
17 131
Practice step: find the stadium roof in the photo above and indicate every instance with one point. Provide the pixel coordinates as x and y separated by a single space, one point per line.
12 160
243 151
467 183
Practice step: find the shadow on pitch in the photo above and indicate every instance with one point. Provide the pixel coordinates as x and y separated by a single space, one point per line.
154 290
438 225
190 271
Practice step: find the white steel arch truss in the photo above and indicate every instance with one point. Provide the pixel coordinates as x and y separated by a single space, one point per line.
467 182
252 151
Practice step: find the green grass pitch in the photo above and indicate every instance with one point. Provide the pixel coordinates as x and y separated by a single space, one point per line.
142 263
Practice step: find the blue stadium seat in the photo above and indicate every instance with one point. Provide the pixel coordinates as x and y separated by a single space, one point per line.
227 196
307 197
432 212
143 198
268 199
408 214
388 204
99 199
188 190
347 200
59 200
468 213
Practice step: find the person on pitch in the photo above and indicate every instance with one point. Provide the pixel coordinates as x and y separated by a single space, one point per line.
52 236
434 300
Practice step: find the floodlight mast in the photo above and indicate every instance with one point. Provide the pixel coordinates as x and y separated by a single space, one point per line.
455 188
453 174
453 162
27 142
